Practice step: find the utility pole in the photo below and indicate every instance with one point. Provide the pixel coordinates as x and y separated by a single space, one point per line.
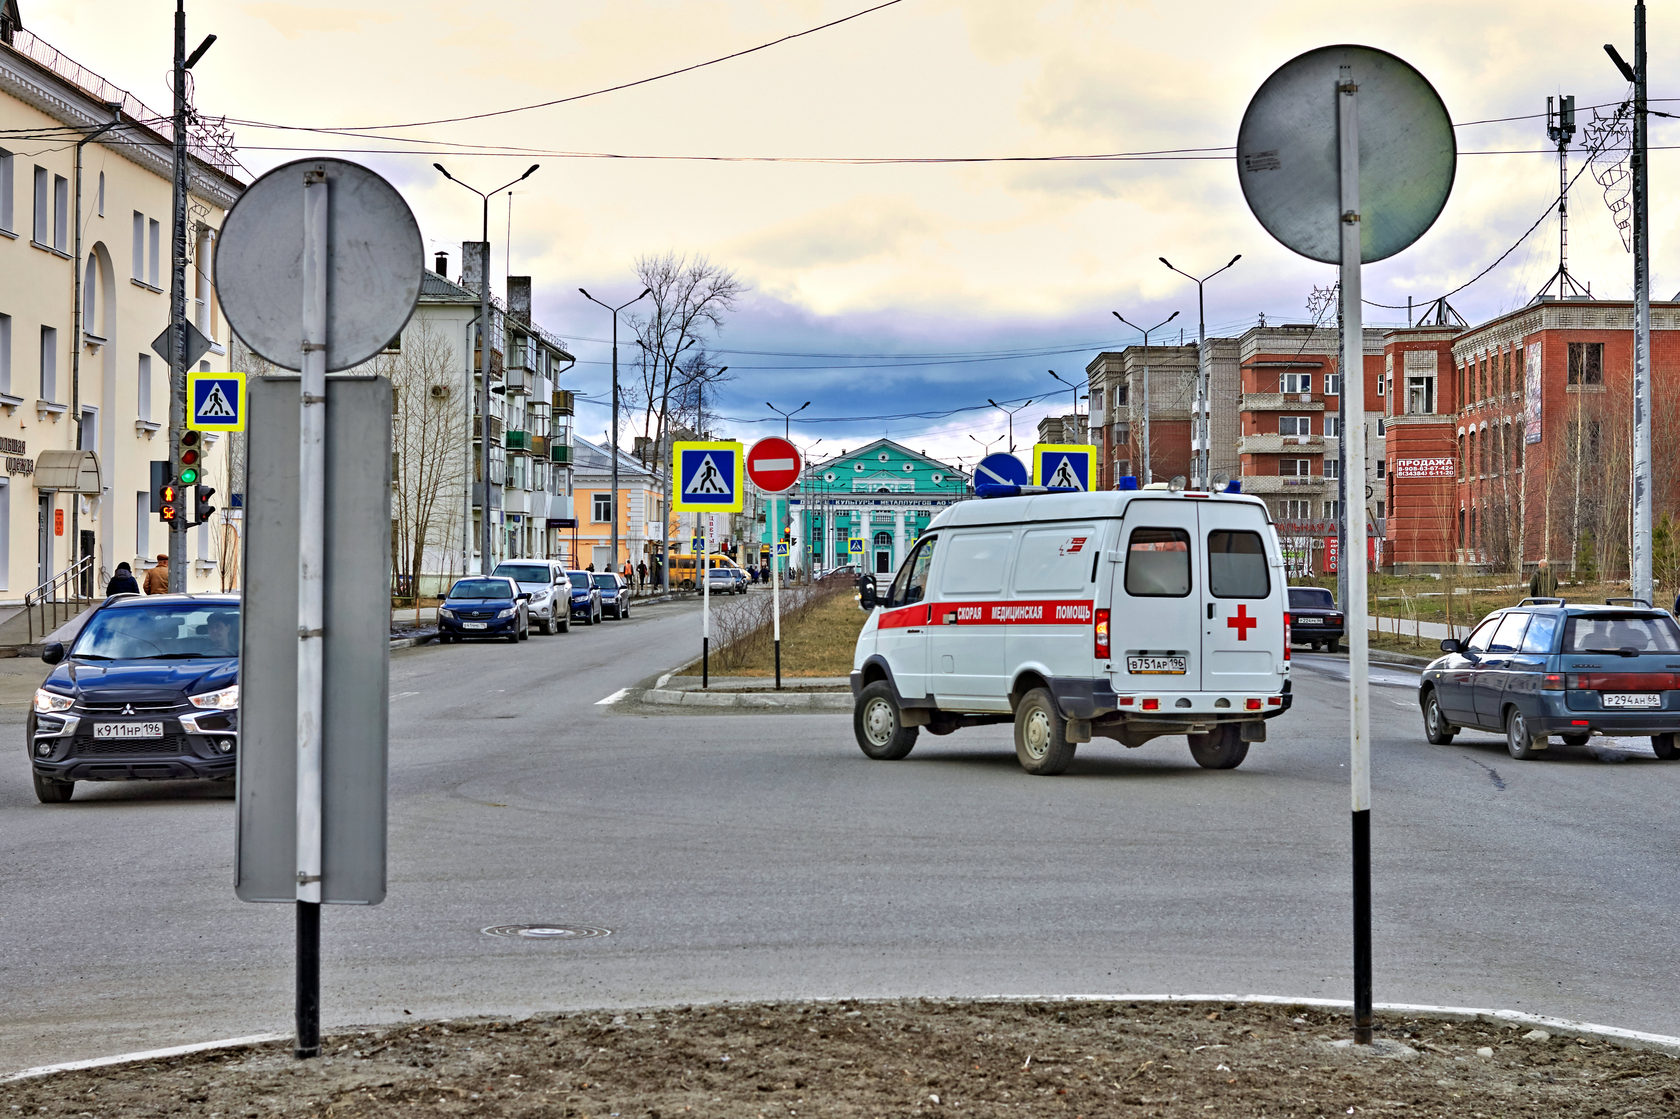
1639 542
178 287
614 442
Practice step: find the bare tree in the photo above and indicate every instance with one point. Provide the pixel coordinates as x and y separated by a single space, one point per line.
428 457
690 301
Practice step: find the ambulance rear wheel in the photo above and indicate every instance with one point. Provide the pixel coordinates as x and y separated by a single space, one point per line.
1221 748
1041 742
879 727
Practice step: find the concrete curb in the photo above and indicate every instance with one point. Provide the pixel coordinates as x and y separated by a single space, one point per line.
820 701
1633 1039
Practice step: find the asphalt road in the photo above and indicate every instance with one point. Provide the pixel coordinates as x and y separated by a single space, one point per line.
762 856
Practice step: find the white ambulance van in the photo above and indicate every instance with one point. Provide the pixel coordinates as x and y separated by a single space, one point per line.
1127 614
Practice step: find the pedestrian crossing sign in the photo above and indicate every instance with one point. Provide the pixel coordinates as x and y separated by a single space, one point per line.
708 477
1064 466
781 548
215 401
854 546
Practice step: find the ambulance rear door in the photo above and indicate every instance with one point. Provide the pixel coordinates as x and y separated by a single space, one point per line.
1242 613
1156 627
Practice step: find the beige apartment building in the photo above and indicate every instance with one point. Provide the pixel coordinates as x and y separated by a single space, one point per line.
85 235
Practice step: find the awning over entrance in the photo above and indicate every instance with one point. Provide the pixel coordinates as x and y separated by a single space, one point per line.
67 471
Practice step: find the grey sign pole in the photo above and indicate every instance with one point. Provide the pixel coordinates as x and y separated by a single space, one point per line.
317 279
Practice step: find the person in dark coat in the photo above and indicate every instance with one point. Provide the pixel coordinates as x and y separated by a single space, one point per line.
641 574
122 582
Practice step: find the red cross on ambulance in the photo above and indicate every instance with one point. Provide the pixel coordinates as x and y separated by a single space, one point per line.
1242 622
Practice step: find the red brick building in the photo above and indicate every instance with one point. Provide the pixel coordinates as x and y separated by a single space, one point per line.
1534 408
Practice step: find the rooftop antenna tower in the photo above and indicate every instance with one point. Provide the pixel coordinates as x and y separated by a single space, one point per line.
1560 126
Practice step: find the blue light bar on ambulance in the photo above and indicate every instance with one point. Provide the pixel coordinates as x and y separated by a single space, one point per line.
996 489
1126 482
1233 486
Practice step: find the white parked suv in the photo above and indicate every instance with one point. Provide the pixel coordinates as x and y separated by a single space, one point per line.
1125 614
549 605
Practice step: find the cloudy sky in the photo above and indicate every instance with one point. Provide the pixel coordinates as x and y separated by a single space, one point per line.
902 287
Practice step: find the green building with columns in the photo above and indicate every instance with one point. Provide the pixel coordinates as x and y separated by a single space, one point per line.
883 494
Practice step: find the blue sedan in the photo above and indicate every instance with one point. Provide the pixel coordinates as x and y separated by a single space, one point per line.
484 606
1547 667
148 690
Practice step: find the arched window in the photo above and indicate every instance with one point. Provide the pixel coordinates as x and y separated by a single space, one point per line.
90 296
883 539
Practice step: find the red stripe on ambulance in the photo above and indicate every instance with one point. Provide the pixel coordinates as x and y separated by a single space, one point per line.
1053 612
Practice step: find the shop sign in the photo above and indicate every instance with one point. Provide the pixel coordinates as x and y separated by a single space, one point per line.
1423 468
16 452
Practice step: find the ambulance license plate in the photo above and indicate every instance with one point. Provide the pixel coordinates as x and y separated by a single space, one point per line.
1634 699
1157 666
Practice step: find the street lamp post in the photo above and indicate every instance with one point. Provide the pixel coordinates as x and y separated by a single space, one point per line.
484 361
1010 412
1147 475
985 444
1200 424
1075 389
615 310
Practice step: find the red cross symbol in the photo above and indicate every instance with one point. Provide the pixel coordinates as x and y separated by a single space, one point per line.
1241 622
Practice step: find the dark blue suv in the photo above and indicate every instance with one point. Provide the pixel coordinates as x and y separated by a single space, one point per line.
148 689
1546 667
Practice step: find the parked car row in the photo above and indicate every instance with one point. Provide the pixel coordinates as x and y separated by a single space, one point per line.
521 593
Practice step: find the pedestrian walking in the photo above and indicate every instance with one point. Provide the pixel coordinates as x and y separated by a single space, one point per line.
1544 583
157 578
122 582
641 574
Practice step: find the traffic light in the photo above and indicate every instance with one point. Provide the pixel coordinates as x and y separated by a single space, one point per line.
160 478
169 503
187 468
201 504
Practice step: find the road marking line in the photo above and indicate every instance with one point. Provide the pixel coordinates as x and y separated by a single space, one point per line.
614 698
147 1055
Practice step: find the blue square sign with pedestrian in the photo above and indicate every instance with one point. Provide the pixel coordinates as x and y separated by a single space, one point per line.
708 476
215 401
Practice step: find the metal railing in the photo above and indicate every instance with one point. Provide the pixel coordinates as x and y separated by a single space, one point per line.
60 598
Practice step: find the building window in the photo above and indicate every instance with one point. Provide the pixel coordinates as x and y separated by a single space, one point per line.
1295 467
49 363
99 197
138 253
1332 468
5 353
1586 363
43 226
61 213
1297 382
1122 467
1332 509
142 510
601 508
1381 381
1295 509
1122 395
1294 425
143 405
152 233
1332 427
1420 395
1123 431
1333 384
1096 397
6 191
1382 468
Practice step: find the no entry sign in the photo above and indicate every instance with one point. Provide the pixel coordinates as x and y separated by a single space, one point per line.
773 465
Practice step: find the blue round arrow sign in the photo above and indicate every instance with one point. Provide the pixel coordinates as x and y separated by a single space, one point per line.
1000 474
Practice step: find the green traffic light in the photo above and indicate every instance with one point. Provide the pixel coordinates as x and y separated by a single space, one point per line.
189 475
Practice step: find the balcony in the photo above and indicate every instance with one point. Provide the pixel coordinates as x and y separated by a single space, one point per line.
521 355
519 441
1273 444
564 404
516 500
517 381
1280 402
539 446
1301 485
495 495
560 454
495 429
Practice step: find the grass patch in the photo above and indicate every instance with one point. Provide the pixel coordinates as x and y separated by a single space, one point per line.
818 634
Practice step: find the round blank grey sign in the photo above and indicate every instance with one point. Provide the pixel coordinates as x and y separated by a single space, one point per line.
375 261
1287 155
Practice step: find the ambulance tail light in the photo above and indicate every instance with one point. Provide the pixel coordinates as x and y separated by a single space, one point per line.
1101 635
1286 635
1252 703
1151 705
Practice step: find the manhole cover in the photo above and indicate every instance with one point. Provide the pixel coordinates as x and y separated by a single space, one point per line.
547 932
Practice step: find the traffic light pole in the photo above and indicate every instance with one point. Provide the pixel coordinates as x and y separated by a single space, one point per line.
178 299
